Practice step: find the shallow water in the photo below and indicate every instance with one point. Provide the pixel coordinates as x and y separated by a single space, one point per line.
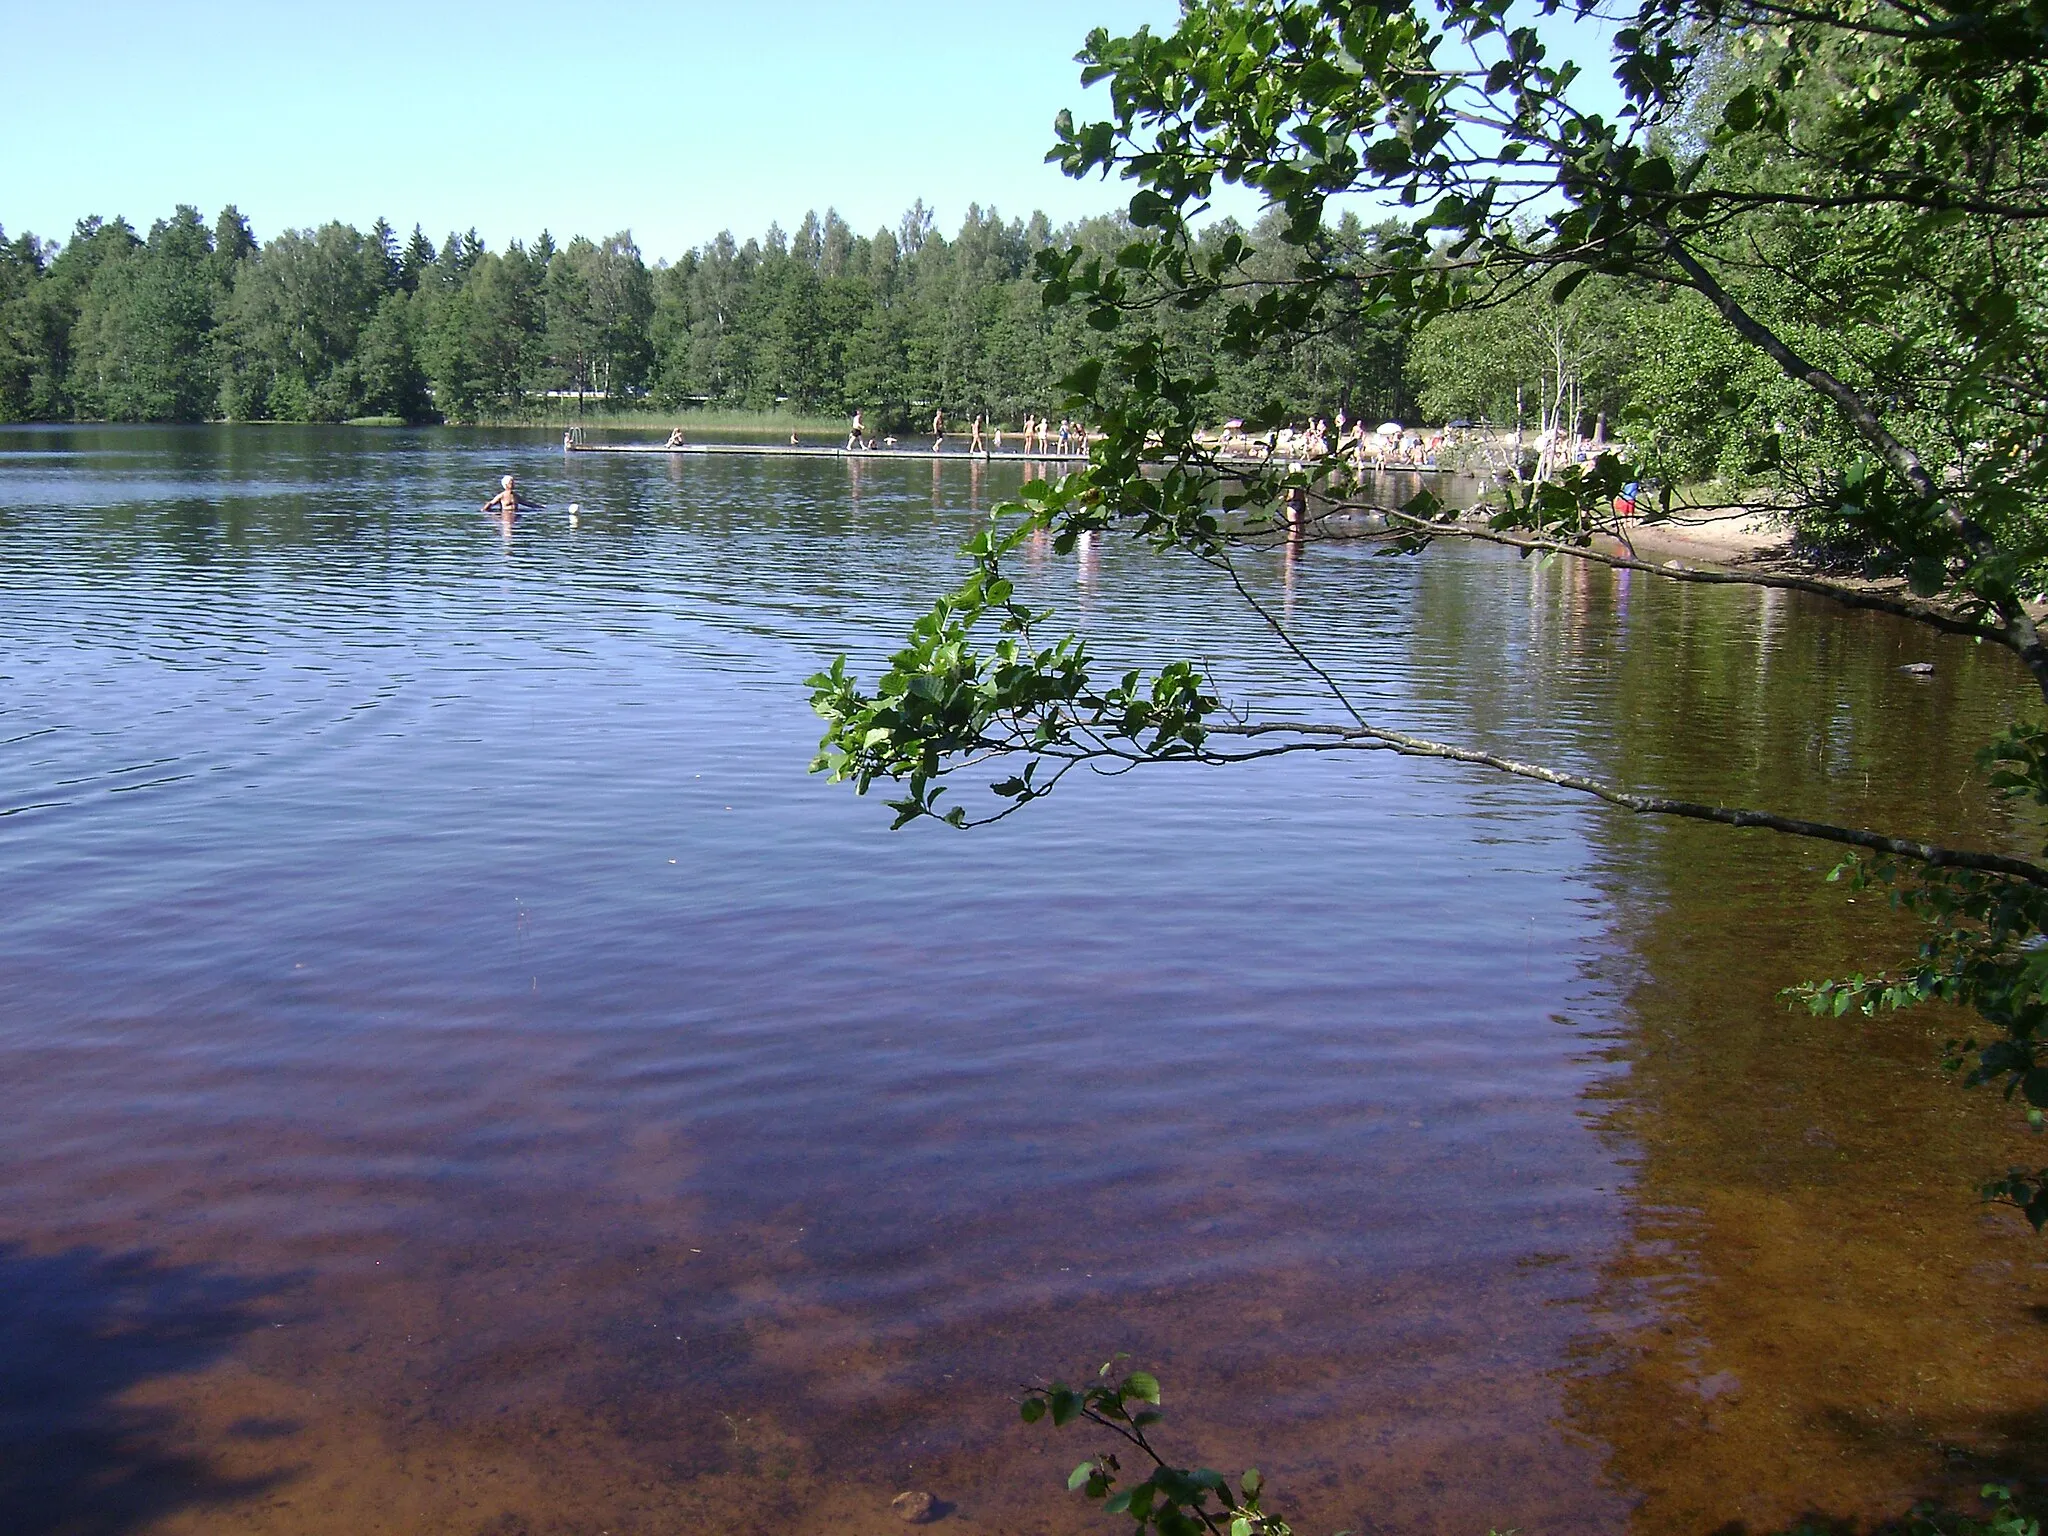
458 1072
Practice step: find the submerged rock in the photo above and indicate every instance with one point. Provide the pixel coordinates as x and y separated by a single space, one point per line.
914 1508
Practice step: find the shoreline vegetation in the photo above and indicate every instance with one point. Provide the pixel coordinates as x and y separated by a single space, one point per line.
793 332
193 321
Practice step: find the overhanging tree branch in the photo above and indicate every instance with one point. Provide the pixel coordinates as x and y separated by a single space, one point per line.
1920 612
2021 633
1931 854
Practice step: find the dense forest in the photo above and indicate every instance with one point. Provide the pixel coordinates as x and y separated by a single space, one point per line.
192 322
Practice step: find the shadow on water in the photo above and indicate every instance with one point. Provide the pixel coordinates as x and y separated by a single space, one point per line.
81 1332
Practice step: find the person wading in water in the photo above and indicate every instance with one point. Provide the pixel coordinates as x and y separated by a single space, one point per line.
508 503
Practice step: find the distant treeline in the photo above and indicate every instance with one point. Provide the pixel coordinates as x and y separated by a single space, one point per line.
195 322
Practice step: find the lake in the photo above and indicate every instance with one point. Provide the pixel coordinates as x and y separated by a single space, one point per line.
460 1073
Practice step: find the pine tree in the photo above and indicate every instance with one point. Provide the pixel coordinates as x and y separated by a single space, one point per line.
417 261
385 239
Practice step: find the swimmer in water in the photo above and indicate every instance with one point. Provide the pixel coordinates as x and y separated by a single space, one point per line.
508 503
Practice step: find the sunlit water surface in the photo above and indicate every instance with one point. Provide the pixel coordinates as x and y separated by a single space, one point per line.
458 1072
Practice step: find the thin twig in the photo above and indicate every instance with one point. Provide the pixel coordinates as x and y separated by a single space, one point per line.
1931 854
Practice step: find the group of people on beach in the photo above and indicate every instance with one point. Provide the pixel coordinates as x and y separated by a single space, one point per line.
1388 446
1039 435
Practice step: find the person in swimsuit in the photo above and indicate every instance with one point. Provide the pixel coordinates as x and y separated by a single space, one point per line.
508 503
974 440
859 432
938 429
675 439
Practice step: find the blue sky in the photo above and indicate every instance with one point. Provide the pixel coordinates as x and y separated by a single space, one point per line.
675 120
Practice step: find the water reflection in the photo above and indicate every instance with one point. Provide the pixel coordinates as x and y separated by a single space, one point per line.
1811 1315
445 935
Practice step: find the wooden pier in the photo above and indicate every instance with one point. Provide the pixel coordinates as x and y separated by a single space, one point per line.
802 451
927 456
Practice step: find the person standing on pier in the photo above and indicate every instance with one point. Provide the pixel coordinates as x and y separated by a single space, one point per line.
938 429
855 438
975 444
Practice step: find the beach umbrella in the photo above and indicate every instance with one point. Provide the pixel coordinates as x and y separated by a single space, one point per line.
1388 428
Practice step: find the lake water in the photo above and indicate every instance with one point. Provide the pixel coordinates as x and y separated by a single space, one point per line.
460 1073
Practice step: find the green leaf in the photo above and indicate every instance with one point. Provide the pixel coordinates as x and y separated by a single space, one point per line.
1927 575
1080 1475
1142 1385
1743 111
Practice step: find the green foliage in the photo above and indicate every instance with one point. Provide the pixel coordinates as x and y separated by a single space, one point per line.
1196 1501
295 323
1985 949
1524 359
944 703
599 306
1809 253
1171 1500
141 334
327 324
22 263
2006 1518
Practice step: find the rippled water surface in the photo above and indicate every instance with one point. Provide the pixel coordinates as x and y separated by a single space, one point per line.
458 1072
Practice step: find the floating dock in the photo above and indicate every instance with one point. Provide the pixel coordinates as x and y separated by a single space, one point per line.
927 456
801 451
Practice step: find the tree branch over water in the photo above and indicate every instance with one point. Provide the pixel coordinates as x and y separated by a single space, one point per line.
1930 854
1920 611
1827 217
946 707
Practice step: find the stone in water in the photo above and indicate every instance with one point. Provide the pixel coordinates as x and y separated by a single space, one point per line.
915 1508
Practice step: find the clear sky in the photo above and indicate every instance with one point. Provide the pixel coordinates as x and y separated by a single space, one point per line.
674 120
